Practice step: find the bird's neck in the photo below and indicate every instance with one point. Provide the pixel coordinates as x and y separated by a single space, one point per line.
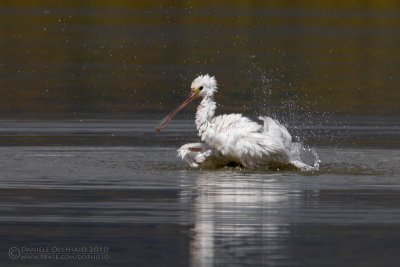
204 114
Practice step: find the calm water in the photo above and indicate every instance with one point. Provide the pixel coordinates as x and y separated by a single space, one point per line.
142 203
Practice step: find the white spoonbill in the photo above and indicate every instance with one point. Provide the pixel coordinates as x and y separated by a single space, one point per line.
233 138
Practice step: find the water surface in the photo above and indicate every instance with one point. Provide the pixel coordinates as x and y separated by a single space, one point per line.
138 56
140 200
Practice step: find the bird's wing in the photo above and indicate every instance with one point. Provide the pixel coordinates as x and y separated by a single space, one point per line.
234 122
234 134
276 130
239 137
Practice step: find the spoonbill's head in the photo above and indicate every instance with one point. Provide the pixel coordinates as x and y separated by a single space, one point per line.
202 86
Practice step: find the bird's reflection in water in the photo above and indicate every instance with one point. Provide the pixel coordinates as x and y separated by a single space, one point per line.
238 218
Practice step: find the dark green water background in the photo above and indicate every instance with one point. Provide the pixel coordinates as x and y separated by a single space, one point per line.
127 57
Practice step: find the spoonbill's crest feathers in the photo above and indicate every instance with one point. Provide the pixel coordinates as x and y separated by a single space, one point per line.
206 83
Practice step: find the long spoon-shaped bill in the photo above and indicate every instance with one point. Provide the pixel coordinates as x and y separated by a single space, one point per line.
169 117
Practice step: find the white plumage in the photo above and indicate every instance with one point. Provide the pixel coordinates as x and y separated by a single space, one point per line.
234 138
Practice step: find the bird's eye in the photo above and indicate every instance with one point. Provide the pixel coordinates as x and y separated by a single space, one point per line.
201 88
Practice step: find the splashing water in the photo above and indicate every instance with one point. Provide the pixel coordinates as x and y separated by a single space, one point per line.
304 155
283 105
303 158
279 98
